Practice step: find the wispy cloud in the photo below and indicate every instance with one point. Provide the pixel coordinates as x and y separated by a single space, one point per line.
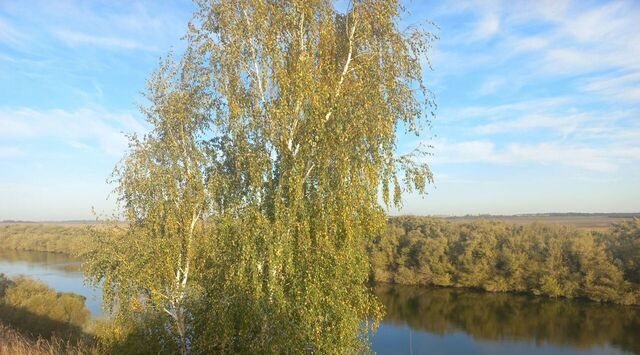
564 124
548 37
597 38
82 128
487 27
9 34
10 152
7 58
505 110
492 86
624 87
607 159
78 38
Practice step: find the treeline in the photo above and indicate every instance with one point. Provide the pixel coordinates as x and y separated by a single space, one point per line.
44 237
555 261
542 259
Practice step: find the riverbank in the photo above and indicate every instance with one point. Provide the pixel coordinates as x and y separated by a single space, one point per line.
51 238
495 256
16 343
37 319
451 321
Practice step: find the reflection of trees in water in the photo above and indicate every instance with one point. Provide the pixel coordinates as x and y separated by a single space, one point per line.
56 261
498 316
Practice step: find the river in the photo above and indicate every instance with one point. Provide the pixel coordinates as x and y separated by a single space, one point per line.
431 321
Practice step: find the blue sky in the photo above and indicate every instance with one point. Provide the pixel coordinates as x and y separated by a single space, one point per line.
538 103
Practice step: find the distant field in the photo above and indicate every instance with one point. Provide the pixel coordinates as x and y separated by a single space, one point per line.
54 223
593 222
596 221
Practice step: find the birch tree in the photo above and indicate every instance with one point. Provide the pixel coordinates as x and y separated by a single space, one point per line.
250 203
311 98
149 265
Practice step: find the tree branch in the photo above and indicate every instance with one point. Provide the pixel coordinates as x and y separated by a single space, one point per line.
345 69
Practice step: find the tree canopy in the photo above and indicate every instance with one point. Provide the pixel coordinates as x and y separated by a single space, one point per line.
555 261
250 202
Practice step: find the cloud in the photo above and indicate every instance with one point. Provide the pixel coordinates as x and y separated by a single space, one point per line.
10 152
558 37
600 37
506 110
492 85
605 159
130 25
465 152
79 145
624 87
487 27
564 124
78 38
7 58
79 128
580 118
10 35
526 43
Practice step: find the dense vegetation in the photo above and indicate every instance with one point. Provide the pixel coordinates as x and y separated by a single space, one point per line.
17 343
556 261
33 308
44 237
35 319
249 201
551 260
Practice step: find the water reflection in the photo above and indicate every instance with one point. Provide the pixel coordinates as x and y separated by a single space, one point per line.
454 321
431 321
54 261
57 271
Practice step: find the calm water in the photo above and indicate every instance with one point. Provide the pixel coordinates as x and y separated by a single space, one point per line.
58 271
453 321
433 321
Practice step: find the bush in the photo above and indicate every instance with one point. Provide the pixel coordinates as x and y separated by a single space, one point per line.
556 261
35 309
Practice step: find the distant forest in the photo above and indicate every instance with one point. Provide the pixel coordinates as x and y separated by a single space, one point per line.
541 259
563 214
624 215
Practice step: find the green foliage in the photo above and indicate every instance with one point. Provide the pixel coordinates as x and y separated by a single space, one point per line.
151 265
36 309
141 333
624 239
44 237
541 259
250 202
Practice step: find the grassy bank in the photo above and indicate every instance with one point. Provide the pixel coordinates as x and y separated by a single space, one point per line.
16 343
35 319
